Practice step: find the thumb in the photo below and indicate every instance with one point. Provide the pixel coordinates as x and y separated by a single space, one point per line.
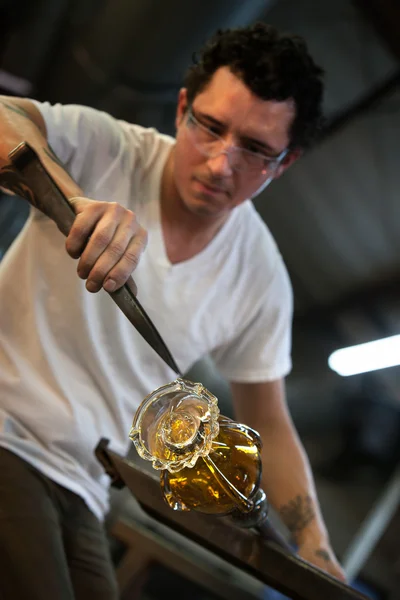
78 203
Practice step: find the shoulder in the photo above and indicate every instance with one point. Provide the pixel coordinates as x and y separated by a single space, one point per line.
254 269
81 126
259 252
254 227
64 116
152 143
98 149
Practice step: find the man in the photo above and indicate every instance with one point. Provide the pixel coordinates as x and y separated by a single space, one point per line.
72 369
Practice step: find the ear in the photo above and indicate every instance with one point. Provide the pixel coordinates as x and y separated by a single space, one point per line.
287 162
182 107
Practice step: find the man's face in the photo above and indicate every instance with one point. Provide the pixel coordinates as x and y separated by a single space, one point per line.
213 186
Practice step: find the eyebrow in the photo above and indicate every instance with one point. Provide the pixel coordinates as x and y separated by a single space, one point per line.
262 145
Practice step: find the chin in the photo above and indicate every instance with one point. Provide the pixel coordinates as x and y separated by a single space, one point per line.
205 208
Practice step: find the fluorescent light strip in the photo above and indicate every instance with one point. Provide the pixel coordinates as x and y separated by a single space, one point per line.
363 358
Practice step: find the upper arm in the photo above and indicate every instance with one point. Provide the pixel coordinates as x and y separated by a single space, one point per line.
25 108
260 404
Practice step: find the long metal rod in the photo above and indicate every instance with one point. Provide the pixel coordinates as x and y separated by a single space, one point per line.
243 548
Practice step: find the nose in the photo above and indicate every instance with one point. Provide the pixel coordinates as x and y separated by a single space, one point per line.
220 165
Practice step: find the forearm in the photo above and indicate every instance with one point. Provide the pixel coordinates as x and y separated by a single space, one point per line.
288 482
287 476
20 121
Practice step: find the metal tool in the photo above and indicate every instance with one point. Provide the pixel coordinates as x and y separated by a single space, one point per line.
28 176
242 547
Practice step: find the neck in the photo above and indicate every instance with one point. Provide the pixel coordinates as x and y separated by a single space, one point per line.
185 233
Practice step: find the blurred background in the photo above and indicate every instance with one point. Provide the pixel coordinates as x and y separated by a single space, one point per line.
335 214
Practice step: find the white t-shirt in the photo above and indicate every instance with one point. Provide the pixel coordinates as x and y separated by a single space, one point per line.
72 367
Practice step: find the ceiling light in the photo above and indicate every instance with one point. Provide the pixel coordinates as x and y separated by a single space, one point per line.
363 358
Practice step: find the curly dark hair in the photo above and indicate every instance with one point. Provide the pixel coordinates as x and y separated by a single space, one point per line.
273 65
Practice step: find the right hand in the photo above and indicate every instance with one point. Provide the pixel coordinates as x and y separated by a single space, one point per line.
108 241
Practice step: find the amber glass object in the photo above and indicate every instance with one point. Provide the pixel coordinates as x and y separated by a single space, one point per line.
208 462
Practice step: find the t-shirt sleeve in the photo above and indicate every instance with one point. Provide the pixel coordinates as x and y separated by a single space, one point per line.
261 351
87 141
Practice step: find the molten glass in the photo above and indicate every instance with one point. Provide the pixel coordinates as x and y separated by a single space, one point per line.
208 462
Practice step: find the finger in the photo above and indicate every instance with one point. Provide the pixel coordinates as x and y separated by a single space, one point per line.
340 574
100 241
121 272
120 246
88 214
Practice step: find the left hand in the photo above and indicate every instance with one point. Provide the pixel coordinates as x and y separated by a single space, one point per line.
323 557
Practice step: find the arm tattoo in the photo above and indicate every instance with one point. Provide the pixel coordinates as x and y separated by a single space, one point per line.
17 110
48 150
298 513
22 113
324 554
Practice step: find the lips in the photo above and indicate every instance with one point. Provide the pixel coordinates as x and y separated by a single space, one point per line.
209 187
